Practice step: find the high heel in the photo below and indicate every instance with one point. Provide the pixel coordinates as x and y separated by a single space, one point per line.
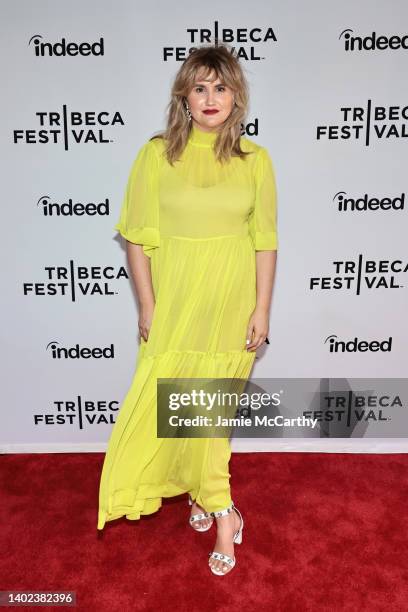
199 517
237 539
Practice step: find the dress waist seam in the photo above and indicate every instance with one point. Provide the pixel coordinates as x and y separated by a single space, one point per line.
175 237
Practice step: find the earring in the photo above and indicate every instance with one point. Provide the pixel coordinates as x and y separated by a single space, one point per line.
188 112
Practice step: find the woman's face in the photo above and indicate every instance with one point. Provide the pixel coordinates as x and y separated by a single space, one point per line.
210 95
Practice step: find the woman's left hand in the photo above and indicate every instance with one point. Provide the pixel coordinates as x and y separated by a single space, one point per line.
258 328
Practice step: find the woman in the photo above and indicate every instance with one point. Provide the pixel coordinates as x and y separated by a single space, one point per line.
199 218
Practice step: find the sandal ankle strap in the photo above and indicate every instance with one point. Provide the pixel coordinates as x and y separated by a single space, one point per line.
224 512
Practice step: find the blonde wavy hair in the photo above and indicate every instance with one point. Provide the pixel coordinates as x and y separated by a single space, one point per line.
203 61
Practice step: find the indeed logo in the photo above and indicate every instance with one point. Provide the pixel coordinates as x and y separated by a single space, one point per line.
356 346
373 42
365 203
64 48
71 209
75 352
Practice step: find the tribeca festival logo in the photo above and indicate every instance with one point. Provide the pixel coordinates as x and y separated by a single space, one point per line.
71 208
76 352
79 412
357 346
364 123
346 409
372 42
365 203
243 41
69 127
361 274
75 281
64 48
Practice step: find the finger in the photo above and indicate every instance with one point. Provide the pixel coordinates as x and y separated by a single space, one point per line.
261 341
143 333
249 335
258 340
253 345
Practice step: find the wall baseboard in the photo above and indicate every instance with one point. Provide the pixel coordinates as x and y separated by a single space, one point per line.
243 445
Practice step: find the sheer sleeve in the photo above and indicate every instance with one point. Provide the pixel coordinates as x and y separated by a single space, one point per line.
139 215
263 217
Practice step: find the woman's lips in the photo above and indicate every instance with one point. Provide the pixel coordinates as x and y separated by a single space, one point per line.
210 112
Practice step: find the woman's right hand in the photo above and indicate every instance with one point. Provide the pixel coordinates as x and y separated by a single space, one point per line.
145 320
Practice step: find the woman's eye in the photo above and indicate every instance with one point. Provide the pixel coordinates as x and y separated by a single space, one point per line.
200 89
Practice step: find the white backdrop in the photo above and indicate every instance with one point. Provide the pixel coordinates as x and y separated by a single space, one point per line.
63 270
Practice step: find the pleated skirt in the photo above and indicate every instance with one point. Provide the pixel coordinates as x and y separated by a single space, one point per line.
205 291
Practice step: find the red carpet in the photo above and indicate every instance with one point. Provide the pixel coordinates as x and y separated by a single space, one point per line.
322 532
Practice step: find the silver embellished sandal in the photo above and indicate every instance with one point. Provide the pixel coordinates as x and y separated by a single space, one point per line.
199 517
237 539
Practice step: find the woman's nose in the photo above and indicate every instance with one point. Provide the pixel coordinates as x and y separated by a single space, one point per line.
210 97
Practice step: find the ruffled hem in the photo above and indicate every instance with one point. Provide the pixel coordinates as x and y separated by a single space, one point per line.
127 503
128 487
209 356
149 237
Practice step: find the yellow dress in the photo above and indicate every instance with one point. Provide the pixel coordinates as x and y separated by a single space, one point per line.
200 222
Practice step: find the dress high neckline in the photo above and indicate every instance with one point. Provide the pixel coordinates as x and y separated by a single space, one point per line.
201 138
